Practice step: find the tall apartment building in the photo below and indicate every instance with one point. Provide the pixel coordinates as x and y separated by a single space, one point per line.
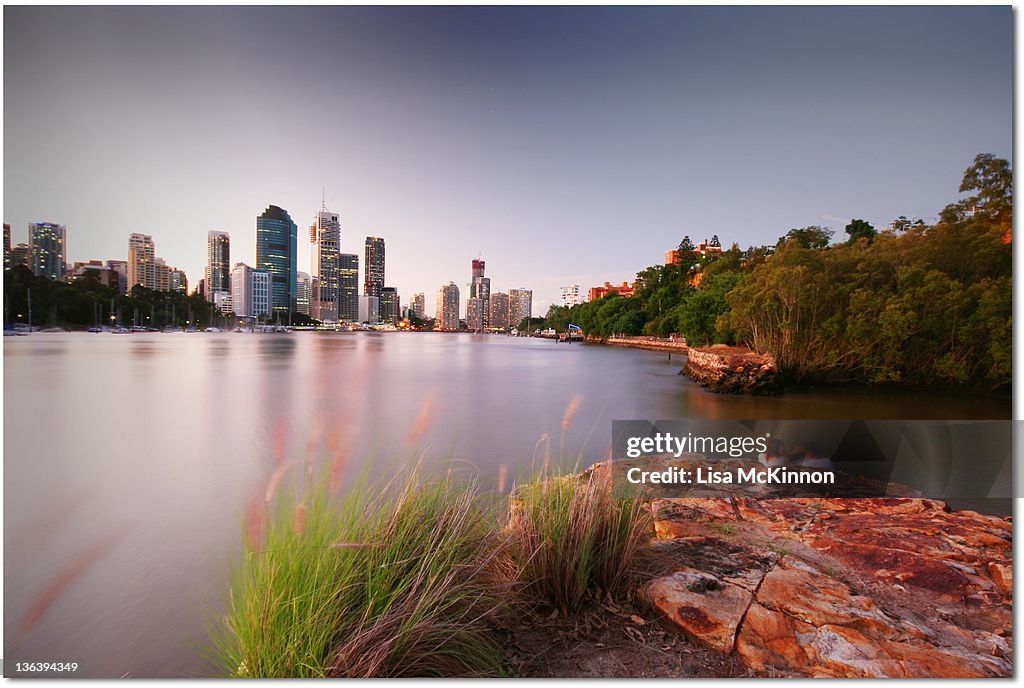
21 254
373 270
417 305
369 310
141 261
520 305
276 248
348 287
7 246
475 313
121 268
218 265
498 311
325 240
389 308
479 288
47 243
448 308
570 296
250 291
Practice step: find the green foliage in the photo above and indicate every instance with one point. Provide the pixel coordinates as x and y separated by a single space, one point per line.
572 541
813 237
77 304
403 584
860 229
992 181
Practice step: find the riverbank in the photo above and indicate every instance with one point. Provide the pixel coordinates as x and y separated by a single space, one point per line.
672 346
704 587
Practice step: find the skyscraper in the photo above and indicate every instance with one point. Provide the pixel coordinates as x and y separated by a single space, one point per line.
325 238
373 271
448 308
417 305
7 246
304 294
475 314
498 311
21 254
520 305
141 261
348 287
47 243
479 288
250 291
276 247
389 305
218 265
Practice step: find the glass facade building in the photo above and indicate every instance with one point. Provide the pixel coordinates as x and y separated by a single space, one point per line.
276 248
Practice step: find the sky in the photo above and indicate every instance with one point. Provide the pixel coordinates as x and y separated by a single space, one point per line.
563 145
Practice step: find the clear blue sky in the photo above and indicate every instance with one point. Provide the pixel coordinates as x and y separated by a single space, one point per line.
563 145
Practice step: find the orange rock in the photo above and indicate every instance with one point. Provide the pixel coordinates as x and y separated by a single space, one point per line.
703 606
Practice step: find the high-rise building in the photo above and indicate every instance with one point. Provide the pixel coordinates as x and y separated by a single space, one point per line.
7 246
218 265
141 261
47 242
325 239
304 294
21 254
97 270
417 305
121 268
570 296
276 247
498 311
389 305
475 313
163 275
369 310
373 269
250 292
177 281
520 305
348 287
479 288
448 308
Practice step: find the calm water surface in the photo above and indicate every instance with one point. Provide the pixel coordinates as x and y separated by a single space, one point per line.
129 460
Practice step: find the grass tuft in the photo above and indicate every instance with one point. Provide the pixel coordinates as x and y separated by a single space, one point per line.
572 540
404 584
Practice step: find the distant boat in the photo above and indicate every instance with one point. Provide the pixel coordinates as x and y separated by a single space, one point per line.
172 328
95 328
138 328
213 329
120 330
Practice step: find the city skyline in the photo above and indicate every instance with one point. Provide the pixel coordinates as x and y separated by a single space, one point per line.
575 144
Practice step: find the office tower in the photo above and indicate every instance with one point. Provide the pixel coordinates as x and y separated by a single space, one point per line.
250 291
304 294
520 306
218 265
141 261
325 239
570 296
373 270
448 308
276 247
7 246
20 255
389 305
475 313
369 310
348 287
417 305
47 242
498 311
479 288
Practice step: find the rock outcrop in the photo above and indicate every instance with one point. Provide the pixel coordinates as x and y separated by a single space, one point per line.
732 370
887 587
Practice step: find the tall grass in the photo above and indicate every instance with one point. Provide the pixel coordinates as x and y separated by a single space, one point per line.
572 540
400 584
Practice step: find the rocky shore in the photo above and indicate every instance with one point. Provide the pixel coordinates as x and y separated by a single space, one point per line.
732 370
884 587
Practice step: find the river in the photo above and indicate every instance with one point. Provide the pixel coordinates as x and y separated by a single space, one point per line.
129 459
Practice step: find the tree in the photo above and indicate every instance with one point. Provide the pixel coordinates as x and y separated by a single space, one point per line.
813 237
992 181
686 244
860 229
